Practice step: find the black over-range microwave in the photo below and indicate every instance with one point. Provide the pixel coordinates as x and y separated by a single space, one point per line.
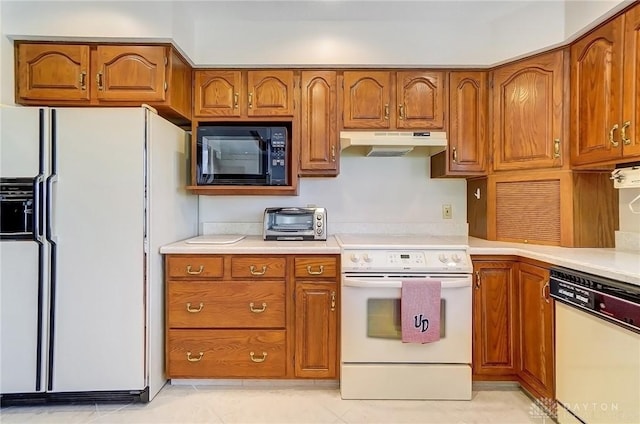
242 155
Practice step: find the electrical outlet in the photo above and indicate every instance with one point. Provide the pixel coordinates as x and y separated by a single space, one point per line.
446 211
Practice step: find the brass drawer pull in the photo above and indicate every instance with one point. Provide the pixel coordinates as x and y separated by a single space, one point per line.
99 80
386 111
333 301
252 270
193 310
545 292
250 100
199 358
235 100
319 272
623 133
83 80
198 272
556 148
477 279
401 114
611 140
256 310
455 155
254 359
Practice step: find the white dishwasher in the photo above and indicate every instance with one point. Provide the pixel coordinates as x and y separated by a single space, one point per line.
597 348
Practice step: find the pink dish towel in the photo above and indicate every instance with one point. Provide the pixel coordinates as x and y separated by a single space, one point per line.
420 311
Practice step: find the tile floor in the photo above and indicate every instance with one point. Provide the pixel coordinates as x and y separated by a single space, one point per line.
215 404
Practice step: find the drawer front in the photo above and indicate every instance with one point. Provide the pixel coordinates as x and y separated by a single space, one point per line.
316 267
226 305
195 266
257 267
226 353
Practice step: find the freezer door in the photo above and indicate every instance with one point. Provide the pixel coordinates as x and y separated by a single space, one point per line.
98 290
21 341
22 131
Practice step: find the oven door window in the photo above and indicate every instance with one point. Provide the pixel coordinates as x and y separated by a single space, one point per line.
237 159
292 222
384 318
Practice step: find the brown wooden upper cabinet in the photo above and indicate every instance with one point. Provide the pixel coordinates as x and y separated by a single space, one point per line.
605 92
529 130
369 101
319 150
90 75
243 94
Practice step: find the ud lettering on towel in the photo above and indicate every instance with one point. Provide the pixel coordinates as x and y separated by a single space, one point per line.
421 323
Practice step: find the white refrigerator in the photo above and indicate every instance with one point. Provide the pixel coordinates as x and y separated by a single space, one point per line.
82 301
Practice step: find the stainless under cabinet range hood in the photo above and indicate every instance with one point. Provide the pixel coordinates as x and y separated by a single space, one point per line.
395 143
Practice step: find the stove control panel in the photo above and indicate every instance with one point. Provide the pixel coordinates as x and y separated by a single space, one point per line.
411 260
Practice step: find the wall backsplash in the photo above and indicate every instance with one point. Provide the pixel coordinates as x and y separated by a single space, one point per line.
369 193
628 238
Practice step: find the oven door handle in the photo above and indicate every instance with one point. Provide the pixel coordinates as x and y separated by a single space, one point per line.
397 284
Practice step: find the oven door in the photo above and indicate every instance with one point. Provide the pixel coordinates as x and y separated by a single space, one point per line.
371 322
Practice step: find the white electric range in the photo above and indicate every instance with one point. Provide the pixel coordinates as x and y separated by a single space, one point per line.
375 363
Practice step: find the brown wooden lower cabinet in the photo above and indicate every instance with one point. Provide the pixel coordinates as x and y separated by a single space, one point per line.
252 316
513 324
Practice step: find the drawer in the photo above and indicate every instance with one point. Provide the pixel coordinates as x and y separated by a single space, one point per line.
257 267
226 353
316 267
201 304
195 266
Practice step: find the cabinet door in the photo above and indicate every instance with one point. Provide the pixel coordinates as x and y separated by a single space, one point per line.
217 93
53 72
316 339
536 368
528 127
420 99
319 150
495 329
596 94
631 107
367 100
467 122
270 93
130 73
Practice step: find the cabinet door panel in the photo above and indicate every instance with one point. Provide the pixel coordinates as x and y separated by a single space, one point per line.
495 319
217 93
367 99
596 94
53 72
467 121
528 104
420 100
316 338
631 108
319 150
270 93
536 329
135 73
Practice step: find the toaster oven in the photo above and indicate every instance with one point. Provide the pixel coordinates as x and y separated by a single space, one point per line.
295 224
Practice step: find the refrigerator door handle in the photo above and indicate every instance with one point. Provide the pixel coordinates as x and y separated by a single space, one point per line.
37 207
49 212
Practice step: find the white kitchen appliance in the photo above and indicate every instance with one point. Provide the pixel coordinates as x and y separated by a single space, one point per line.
597 348
375 363
82 297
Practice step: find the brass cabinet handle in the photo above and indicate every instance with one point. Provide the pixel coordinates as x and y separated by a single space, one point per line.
611 131
333 301
256 310
194 310
333 153
199 358
254 359
83 80
319 272
401 111
623 133
99 80
455 155
198 272
250 100
545 292
252 270
477 279
556 148
235 100
386 111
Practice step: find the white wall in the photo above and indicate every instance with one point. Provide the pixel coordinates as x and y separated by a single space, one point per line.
582 14
368 190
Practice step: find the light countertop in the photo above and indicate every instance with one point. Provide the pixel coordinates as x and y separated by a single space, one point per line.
612 263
